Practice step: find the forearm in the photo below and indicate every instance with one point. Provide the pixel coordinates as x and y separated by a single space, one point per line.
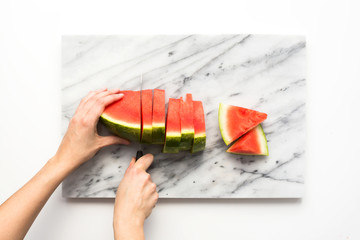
19 212
128 230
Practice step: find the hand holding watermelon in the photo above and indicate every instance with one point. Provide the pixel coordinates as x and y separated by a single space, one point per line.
79 144
81 140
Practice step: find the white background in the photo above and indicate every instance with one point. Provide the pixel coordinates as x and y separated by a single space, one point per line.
30 38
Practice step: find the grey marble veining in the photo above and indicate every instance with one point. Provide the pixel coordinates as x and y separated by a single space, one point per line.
262 72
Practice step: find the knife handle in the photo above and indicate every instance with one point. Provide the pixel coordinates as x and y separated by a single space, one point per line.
139 154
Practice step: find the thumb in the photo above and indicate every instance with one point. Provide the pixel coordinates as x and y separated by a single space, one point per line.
110 140
145 161
132 162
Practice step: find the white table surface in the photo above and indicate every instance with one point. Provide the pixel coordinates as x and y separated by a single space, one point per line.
30 34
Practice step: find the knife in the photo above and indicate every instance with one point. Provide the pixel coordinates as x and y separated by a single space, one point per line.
140 153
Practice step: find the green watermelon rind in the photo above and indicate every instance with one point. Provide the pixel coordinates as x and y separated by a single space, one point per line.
158 134
170 150
127 132
146 136
222 124
172 143
187 139
264 141
199 143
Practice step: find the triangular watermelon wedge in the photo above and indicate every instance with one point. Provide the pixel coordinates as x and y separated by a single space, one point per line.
236 121
252 143
123 117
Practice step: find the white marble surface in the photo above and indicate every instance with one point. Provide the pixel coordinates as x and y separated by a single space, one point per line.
262 72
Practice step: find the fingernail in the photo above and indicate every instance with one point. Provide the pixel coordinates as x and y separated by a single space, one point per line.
120 95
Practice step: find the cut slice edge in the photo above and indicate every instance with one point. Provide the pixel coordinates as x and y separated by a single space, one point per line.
122 129
254 142
158 119
199 141
173 129
187 122
146 115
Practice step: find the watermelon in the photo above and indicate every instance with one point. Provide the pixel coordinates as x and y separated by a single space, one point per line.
186 123
173 129
146 114
158 117
236 121
199 127
252 143
123 117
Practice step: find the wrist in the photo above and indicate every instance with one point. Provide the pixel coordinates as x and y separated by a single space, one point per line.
64 166
128 228
130 222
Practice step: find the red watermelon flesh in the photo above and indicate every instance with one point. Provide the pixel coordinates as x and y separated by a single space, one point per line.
158 118
235 121
123 117
146 113
252 143
199 127
173 128
187 123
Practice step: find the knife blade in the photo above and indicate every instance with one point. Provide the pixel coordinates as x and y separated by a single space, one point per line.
140 153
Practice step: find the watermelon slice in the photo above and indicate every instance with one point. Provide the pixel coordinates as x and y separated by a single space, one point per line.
199 127
173 129
187 123
158 118
236 121
146 114
123 117
252 143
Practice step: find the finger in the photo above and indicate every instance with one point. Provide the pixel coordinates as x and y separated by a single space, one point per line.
150 188
93 96
103 99
99 106
93 93
145 161
85 100
100 90
108 92
107 100
156 198
110 140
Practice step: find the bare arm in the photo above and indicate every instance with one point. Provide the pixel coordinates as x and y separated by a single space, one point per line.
135 198
79 144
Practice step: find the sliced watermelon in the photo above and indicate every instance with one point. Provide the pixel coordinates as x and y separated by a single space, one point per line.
199 127
252 143
158 118
123 117
173 129
146 113
187 123
236 121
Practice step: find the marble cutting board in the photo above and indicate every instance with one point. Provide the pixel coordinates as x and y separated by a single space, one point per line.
262 72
